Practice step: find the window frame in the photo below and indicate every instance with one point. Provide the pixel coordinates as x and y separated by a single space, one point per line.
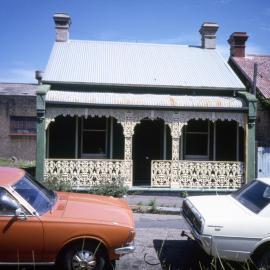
17 201
94 155
197 157
23 119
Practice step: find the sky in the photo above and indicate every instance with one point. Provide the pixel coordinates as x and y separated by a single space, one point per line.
27 27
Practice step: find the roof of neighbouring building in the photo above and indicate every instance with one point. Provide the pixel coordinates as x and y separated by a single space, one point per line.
18 89
246 67
139 64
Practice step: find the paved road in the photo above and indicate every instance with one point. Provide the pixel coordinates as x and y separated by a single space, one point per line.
159 246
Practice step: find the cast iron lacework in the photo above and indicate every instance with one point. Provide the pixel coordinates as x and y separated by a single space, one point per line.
86 173
175 173
197 174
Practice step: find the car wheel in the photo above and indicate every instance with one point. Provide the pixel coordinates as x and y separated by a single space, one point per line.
263 263
85 256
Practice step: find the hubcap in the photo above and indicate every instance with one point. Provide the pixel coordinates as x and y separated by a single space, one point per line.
83 260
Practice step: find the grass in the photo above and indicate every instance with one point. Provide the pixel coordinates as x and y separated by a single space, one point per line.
153 204
140 203
16 163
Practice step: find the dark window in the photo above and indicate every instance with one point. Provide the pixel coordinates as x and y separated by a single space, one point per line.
226 138
197 140
22 125
94 136
62 137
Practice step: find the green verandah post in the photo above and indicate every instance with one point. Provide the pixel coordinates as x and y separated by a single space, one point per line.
41 136
250 159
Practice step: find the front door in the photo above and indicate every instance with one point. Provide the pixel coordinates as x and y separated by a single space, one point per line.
148 144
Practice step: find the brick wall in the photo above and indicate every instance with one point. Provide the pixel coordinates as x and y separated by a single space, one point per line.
23 146
263 125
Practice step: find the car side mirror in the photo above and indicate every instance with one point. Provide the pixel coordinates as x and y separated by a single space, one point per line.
8 203
20 214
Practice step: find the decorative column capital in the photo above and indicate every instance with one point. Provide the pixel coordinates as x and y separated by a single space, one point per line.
128 128
176 132
48 121
176 129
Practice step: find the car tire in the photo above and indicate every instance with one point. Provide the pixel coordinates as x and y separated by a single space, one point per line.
263 262
84 256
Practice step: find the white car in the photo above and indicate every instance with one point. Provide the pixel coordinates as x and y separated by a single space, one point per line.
234 227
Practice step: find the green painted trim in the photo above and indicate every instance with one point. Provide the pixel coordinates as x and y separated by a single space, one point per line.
250 135
43 89
41 136
40 155
250 152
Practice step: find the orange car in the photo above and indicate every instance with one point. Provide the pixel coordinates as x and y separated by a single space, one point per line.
75 231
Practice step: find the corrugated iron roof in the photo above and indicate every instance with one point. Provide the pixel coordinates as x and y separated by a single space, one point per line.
18 89
148 100
246 65
138 64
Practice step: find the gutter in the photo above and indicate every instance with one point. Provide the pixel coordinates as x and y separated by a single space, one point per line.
215 109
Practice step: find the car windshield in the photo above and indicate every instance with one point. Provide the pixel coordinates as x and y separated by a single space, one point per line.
255 196
38 196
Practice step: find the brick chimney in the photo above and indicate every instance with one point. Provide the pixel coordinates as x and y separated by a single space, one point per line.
208 32
62 23
237 41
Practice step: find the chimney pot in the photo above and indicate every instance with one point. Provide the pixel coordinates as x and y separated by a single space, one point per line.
208 32
237 41
62 23
38 76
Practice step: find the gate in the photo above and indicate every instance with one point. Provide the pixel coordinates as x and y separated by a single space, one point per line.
263 162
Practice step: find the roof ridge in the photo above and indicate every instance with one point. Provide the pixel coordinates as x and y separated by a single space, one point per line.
259 55
130 42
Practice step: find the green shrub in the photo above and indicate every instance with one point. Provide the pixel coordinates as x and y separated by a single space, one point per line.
115 188
153 204
54 183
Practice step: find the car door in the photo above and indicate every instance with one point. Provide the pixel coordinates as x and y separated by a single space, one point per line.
21 238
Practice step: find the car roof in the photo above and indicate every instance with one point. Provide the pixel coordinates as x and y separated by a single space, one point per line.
9 176
265 180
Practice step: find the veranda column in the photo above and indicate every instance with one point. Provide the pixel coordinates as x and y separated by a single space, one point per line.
250 160
250 150
41 136
128 130
176 132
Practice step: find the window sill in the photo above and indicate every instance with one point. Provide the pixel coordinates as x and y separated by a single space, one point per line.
22 135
